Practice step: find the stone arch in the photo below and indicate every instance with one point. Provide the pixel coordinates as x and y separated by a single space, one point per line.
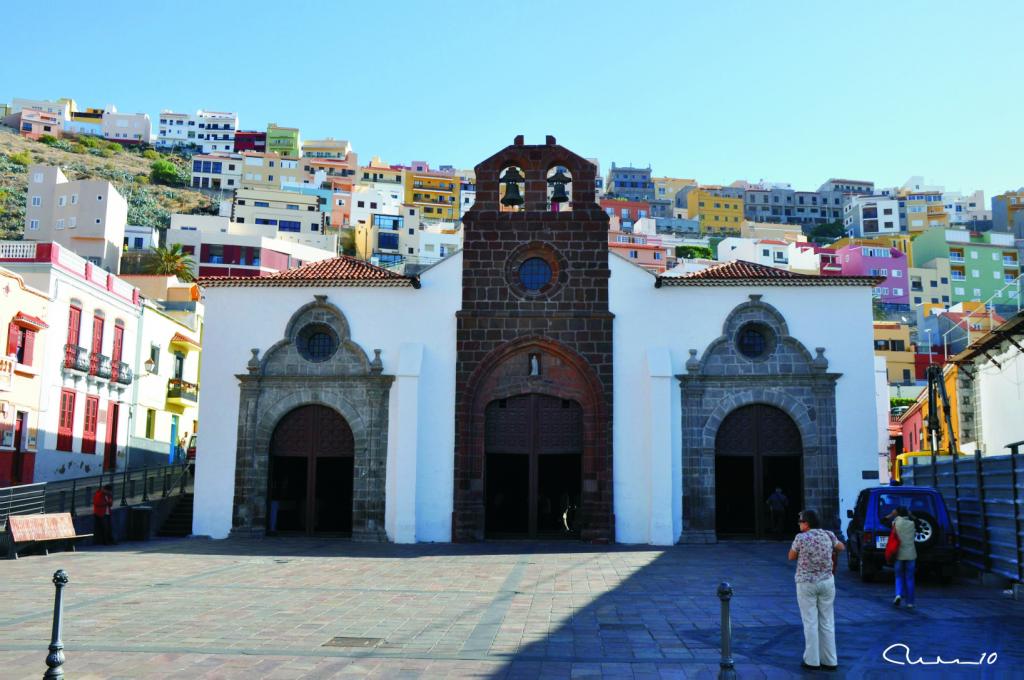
283 357
505 372
284 380
722 379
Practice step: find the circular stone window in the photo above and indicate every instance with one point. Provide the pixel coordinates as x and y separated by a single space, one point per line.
317 342
755 341
535 273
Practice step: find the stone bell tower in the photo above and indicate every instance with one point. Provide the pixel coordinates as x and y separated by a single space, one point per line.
534 369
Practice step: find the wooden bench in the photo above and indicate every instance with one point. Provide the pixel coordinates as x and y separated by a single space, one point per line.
44 530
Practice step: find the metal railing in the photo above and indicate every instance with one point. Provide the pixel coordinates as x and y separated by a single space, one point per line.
100 365
182 389
130 486
26 499
76 358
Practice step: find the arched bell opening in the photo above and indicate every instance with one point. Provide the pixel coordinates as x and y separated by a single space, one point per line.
559 181
512 189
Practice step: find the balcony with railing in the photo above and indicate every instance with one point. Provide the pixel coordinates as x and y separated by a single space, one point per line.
100 366
76 358
1009 261
121 373
181 392
955 256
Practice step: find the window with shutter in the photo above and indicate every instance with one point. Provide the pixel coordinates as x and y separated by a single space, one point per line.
92 413
74 325
66 421
13 331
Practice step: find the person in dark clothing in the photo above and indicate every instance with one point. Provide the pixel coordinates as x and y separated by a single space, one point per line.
102 502
777 504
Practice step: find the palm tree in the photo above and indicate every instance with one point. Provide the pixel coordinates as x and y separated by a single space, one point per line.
170 260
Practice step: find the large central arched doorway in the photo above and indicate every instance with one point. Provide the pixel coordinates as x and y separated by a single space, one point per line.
533 453
757 450
311 465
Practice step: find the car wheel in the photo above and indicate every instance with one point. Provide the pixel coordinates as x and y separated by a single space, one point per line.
867 571
926 529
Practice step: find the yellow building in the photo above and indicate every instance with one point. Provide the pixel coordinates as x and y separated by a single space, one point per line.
271 171
435 195
166 413
892 341
666 188
716 214
23 309
930 284
923 210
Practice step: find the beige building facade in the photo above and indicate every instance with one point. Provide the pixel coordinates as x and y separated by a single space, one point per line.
86 216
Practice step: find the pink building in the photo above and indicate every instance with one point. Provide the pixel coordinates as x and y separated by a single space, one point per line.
34 124
863 260
646 251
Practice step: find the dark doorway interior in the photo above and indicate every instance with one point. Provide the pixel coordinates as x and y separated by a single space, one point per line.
533 473
508 483
734 504
312 455
288 476
334 495
758 449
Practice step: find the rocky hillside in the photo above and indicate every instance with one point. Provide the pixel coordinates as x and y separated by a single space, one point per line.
127 169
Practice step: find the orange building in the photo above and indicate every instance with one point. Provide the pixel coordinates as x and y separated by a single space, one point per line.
646 251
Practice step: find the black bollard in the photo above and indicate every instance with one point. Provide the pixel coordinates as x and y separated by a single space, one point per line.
726 669
55 659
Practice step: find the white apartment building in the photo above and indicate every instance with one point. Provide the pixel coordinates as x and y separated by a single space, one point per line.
139 237
126 128
89 361
60 107
867 216
963 209
219 170
221 247
87 216
294 216
771 252
215 130
176 129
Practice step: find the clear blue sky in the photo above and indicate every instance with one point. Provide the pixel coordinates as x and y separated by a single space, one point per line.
794 92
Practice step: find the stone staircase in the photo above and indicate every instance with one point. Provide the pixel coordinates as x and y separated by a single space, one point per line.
179 522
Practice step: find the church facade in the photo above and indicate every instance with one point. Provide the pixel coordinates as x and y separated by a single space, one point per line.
532 385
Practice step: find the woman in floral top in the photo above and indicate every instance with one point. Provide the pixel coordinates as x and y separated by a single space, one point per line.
813 549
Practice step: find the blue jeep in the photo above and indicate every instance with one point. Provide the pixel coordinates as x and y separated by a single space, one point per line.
868 531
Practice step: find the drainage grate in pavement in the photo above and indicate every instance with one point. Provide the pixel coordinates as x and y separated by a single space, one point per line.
352 642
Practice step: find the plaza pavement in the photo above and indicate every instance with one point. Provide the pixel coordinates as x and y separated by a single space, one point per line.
273 608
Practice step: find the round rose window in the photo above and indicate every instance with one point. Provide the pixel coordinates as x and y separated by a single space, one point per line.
534 273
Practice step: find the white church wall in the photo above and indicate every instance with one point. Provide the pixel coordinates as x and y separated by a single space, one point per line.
379 318
681 318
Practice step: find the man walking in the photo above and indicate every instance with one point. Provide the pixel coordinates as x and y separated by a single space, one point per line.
814 549
102 502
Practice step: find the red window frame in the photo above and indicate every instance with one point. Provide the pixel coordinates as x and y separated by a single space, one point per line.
97 335
21 342
66 420
92 417
74 325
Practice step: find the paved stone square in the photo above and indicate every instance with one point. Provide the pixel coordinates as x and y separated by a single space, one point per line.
273 608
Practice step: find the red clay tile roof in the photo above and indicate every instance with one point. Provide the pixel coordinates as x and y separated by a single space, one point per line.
743 273
337 271
179 337
773 242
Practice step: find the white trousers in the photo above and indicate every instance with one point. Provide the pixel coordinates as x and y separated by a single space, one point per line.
816 602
